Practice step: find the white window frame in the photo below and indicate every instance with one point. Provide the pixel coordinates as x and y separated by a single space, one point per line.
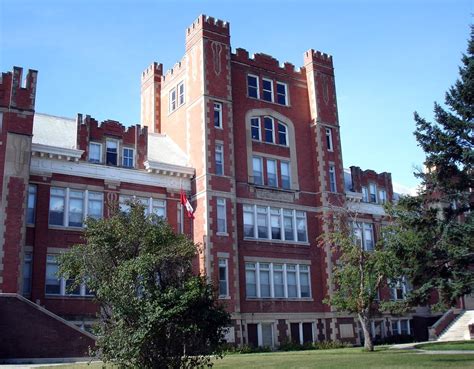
260 333
275 172
382 198
285 132
264 136
296 214
148 203
258 86
219 150
123 157
399 326
221 203
373 186
256 266
260 160
32 194
98 161
285 163
257 119
180 218
173 100
181 95
300 331
400 284
362 227
279 94
85 206
329 142
332 178
223 262
365 194
27 268
264 79
118 151
63 283
218 109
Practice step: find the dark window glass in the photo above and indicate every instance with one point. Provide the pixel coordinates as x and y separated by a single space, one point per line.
269 130
252 84
112 153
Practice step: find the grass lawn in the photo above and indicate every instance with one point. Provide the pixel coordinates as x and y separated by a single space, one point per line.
352 358
448 346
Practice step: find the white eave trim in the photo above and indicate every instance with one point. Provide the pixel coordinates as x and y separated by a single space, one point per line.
56 152
354 196
169 169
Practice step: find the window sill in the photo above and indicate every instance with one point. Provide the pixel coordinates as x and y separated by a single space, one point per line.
268 102
293 299
271 188
65 228
29 225
297 243
224 297
270 143
222 234
73 297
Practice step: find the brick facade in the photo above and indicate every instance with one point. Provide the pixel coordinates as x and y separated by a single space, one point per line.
252 223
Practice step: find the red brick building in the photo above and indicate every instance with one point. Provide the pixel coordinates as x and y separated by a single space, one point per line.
256 145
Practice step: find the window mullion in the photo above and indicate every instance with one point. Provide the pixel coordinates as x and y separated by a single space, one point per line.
300 326
66 208
282 226
62 287
285 282
298 286
295 232
255 231
86 204
269 226
272 288
257 278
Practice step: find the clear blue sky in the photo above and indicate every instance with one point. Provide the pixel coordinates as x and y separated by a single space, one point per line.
391 57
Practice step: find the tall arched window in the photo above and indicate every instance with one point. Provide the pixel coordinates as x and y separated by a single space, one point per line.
282 134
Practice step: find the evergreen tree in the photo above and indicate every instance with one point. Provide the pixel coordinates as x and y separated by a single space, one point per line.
433 235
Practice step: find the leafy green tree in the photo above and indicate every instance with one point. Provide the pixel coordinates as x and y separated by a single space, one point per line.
433 235
154 312
358 274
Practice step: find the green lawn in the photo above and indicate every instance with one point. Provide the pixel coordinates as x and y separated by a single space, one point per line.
448 346
352 358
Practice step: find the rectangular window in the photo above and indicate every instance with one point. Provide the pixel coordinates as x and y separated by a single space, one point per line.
404 327
127 160
221 216
275 223
95 152
95 205
267 87
364 235
268 126
329 139
267 335
217 115
365 194
76 208
257 170
31 206
52 283
255 125
382 196
27 268
332 178
172 98
223 278
395 329
158 207
373 192
282 134
219 158
301 332
180 218
275 280
249 221
282 93
285 175
57 202
112 152
181 94
272 173
252 86
398 289
123 203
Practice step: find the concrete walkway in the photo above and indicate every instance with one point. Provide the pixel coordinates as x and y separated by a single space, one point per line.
411 346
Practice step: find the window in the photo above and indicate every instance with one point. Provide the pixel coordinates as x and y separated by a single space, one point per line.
277 280
151 205
158 207
31 206
95 152
27 268
373 192
398 289
257 170
180 216
255 124
223 278
401 326
382 196
218 115
264 222
332 178
127 160
285 175
172 100
252 86
282 136
364 235
67 207
268 126
219 158
365 194
329 139
112 152
267 87
60 286
181 94
272 173
260 334
282 93
301 332
221 216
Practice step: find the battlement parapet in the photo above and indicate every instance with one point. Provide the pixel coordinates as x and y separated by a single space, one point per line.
16 92
153 70
265 61
317 57
204 22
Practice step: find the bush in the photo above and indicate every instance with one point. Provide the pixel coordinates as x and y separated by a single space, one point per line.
323 345
399 338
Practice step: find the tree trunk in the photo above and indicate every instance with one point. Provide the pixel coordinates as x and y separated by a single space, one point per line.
365 323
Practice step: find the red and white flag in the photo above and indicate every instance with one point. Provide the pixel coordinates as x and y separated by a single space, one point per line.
185 202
